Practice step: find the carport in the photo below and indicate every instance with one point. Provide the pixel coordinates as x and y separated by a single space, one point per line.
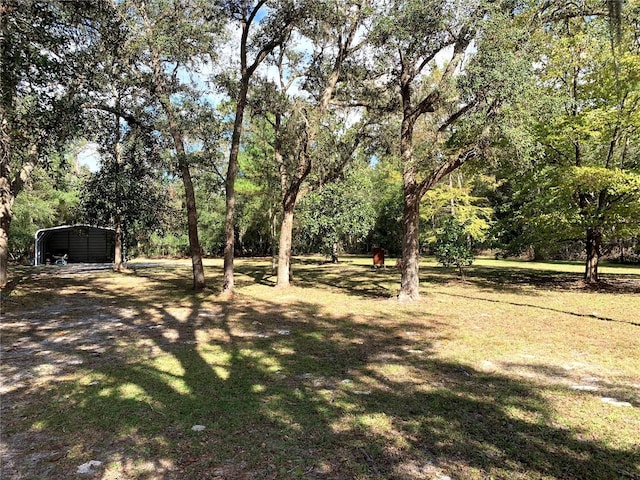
80 244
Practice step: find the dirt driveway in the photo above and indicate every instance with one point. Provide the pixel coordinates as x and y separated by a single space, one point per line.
45 339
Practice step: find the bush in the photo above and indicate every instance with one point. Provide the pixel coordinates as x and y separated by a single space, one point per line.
454 246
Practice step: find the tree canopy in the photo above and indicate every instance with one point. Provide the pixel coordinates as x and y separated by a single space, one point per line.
379 124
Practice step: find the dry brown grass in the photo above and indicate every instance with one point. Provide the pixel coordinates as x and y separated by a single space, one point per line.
501 376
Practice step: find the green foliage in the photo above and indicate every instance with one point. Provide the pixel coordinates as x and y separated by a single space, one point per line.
460 201
132 191
210 200
258 192
45 63
339 213
453 247
48 200
563 125
169 245
543 210
585 178
388 206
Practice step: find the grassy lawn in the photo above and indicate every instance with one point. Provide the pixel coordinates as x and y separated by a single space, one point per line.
519 372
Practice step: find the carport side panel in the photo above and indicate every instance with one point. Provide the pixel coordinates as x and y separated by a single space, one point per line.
56 242
100 249
78 246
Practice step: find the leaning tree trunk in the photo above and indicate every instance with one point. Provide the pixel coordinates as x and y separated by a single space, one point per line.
192 227
192 213
190 196
594 240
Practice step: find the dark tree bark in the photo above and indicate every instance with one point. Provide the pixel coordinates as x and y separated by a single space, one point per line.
410 280
9 189
195 251
594 241
199 282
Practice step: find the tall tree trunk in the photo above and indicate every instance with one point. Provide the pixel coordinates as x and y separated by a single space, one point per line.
594 240
284 251
410 279
192 213
230 189
273 234
190 197
291 184
6 214
192 227
8 191
117 258
5 223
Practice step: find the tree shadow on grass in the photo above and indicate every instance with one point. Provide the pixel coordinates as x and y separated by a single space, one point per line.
624 389
521 280
284 391
366 281
542 307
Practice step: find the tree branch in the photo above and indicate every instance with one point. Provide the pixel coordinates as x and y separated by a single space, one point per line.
444 169
455 116
129 118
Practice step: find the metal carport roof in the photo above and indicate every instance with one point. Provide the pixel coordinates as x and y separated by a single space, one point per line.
81 244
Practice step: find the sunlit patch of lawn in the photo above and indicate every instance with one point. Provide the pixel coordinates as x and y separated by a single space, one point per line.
518 372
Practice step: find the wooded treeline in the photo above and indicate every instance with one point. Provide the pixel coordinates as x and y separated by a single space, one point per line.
277 127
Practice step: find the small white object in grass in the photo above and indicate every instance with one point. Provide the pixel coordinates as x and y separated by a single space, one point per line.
584 388
283 332
346 380
94 383
198 428
414 351
615 403
487 365
88 467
